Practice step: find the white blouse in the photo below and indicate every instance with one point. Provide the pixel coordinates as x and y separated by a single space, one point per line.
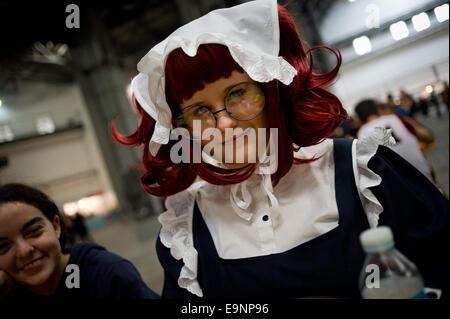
252 219
307 209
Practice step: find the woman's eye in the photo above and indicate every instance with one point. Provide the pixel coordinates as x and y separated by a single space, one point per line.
236 94
201 110
35 231
4 248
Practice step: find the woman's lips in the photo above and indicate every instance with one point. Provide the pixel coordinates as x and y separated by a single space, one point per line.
32 264
236 137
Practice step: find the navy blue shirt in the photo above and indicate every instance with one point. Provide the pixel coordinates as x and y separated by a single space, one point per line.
103 275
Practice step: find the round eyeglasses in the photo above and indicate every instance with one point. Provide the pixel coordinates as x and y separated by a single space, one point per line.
243 102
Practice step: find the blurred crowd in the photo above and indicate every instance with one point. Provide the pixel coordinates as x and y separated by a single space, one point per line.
403 117
405 106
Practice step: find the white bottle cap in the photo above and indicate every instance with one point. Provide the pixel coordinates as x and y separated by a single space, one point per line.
377 239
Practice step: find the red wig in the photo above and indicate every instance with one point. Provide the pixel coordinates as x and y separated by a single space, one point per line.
304 112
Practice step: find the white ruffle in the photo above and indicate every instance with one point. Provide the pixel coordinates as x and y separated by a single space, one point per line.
176 231
259 66
362 151
176 234
268 165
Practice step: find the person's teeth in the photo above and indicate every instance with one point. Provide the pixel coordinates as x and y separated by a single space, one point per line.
31 265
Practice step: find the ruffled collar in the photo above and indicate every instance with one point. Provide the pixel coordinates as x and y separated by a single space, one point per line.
241 198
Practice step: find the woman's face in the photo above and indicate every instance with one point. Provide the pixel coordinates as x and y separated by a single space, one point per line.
30 252
213 96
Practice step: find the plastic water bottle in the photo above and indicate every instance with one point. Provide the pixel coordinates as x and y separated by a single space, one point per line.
387 274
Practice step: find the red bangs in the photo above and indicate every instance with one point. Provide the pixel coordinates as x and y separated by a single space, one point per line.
186 75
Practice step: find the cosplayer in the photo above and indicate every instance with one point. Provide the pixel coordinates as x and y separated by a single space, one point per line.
36 263
269 229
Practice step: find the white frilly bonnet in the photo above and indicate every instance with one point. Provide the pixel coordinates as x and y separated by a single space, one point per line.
249 30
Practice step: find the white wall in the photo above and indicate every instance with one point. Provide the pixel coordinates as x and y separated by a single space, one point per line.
409 64
406 67
21 109
68 165
345 18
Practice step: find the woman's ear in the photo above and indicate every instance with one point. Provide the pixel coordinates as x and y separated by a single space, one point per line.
56 222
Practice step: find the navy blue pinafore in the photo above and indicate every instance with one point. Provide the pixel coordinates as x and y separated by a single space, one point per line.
330 264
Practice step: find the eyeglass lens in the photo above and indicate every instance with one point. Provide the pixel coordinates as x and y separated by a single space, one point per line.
243 102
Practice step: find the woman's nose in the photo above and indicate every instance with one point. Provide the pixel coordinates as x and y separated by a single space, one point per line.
23 248
224 120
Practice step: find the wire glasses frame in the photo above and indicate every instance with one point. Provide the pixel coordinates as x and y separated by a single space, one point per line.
243 102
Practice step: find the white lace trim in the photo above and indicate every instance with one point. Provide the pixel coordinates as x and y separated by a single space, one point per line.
176 231
176 234
362 151
268 166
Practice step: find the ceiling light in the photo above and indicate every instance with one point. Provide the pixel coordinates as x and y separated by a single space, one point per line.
362 45
441 12
399 30
421 22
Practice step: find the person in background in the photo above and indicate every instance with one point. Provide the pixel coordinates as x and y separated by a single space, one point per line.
408 107
424 135
390 100
434 101
424 106
444 95
36 263
79 228
406 132
347 129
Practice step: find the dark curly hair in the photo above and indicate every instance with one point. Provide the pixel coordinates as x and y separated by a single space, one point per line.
15 192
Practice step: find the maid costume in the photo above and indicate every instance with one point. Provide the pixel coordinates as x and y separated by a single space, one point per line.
300 238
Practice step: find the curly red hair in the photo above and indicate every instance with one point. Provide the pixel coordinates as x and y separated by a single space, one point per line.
304 112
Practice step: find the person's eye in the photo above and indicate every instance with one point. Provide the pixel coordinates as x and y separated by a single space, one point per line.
4 248
200 111
237 93
35 231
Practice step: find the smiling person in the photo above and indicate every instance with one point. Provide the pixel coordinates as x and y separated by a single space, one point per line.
281 216
35 263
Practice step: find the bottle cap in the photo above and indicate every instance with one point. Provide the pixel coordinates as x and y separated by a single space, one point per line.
377 239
